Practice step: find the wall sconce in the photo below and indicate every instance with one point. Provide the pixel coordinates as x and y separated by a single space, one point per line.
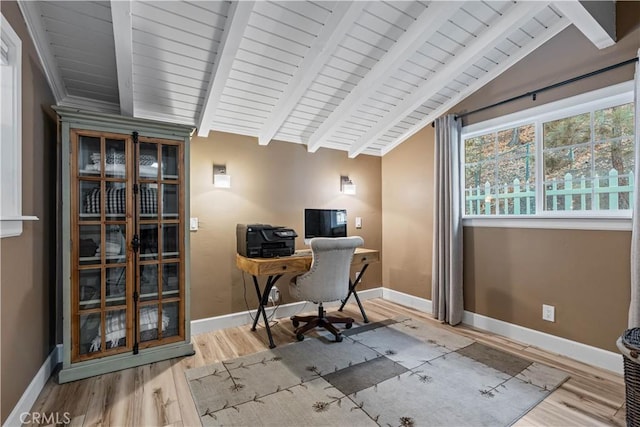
220 177
347 186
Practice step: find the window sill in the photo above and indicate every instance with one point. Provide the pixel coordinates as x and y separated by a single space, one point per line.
11 226
596 223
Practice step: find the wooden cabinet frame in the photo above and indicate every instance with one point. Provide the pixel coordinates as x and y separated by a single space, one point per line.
131 305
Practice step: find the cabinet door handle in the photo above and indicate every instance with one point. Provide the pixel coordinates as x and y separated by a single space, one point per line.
284 267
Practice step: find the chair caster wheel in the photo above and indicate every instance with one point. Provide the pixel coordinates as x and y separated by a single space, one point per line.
299 337
338 338
348 325
295 323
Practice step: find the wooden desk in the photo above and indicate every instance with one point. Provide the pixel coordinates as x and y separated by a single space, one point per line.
299 262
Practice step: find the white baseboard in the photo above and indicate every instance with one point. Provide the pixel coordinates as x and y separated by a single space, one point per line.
32 392
420 304
215 323
581 352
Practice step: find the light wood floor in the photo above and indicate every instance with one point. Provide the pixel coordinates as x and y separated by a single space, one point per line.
158 394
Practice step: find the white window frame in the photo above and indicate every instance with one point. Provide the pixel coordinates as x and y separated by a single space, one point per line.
590 220
11 134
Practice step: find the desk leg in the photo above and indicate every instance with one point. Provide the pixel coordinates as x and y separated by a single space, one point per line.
263 300
352 290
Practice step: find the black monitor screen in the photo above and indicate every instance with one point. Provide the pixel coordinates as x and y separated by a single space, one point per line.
325 223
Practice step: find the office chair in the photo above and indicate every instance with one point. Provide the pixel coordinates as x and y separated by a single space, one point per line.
327 280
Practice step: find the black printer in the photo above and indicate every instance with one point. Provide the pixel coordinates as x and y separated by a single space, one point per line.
265 241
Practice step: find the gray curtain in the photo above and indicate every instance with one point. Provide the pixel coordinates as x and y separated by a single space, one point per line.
634 306
446 285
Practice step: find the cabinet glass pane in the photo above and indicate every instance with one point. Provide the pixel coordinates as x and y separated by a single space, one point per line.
115 164
115 245
148 241
169 162
115 204
116 286
148 201
148 323
170 201
170 239
148 161
116 328
170 280
170 312
89 199
89 244
89 333
89 288
148 282
89 156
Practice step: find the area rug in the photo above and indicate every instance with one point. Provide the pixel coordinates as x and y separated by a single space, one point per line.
400 372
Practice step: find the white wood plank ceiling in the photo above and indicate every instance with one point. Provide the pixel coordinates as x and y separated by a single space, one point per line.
357 76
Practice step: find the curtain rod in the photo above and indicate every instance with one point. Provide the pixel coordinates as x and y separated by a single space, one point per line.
533 93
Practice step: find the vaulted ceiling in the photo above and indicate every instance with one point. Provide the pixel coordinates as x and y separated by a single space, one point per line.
359 76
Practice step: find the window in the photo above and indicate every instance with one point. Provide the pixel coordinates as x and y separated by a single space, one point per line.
11 133
567 159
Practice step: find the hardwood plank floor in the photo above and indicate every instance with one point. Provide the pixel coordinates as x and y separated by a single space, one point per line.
158 394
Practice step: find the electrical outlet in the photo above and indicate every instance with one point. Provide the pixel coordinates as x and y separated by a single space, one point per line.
274 295
355 276
548 313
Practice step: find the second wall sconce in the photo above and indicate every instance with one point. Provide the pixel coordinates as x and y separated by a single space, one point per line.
347 186
220 177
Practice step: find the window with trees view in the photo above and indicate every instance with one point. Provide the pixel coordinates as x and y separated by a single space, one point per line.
574 157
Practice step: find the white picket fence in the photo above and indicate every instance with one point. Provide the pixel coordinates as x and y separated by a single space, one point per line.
561 195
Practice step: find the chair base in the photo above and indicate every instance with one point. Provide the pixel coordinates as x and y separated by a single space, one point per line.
320 321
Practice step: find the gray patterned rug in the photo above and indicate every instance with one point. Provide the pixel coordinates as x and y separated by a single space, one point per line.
395 373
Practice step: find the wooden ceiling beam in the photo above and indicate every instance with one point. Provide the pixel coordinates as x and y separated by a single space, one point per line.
509 22
596 20
123 43
33 17
237 19
424 26
333 32
478 84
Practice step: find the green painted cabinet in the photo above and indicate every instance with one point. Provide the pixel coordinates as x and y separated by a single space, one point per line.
125 242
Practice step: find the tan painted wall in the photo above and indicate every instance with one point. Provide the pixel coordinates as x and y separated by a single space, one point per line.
27 267
271 185
407 206
510 273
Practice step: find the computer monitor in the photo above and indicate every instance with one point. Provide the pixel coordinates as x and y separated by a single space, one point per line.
324 223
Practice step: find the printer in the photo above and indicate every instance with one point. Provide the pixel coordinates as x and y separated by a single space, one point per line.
265 241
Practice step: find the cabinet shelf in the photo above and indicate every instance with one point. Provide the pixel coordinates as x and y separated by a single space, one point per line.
113 173
122 215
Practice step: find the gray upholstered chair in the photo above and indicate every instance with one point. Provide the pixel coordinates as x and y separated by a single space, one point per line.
327 280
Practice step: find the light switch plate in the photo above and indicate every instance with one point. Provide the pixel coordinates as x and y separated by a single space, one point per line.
193 224
358 222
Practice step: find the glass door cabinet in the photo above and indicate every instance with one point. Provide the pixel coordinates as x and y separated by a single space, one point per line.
125 278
